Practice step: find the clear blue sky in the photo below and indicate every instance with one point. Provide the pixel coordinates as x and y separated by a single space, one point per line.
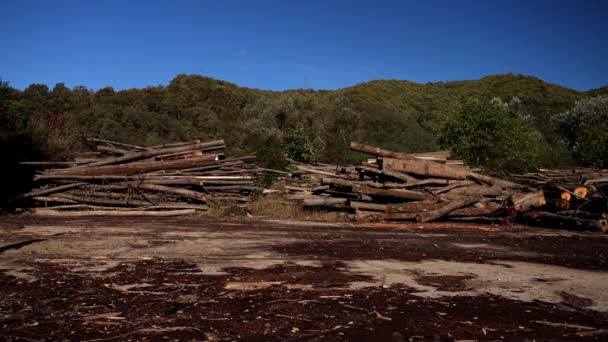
301 44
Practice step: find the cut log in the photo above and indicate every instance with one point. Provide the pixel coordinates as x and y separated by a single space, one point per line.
424 168
105 213
379 152
393 193
139 167
111 149
412 207
524 202
367 206
567 222
581 191
116 143
565 196
177 191
155 152
52 190
326 202
400 216
364 215
432 215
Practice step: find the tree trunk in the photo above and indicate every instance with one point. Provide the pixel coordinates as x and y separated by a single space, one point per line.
394 193
424 168
432 215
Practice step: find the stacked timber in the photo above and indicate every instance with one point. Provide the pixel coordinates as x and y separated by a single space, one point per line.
122 179
421 187
576 198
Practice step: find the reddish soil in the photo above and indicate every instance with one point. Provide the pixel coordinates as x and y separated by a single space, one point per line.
164 297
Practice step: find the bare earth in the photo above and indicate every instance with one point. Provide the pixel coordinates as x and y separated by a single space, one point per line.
111 279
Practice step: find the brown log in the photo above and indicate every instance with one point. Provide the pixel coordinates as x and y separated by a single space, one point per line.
488 209
111 149
315 171
412 207
139 167
565 196
154 152
105 213
399 216
581 191
424 168
435 214
52 190
175 144
567 222
394 193
524 202
163 206
562 204
363 215
117 143
53 199
177 191
105 201
379 152
367 206
482 190
326 202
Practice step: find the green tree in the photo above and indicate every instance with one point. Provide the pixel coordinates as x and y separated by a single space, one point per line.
301 145
490 136
585 129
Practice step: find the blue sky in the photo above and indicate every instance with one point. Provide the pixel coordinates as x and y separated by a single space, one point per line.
301 44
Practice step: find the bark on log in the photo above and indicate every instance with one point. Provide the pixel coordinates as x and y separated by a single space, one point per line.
111 149
177 191
379 152
489 209
155 152
48 191
326 202
412 207
393 193
117 143
364 215
105 201
424 168
524 202
399 216
105 213
568 222
139 167
432 215
367 206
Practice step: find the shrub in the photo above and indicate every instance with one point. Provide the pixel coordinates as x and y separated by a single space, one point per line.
584 128
301 145
490 136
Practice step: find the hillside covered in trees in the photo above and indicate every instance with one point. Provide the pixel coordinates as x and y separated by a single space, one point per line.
39 122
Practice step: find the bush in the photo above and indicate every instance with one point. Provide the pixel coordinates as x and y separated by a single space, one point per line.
301 145
584 129
490 136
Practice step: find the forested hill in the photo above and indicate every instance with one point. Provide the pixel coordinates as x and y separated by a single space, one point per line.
397 115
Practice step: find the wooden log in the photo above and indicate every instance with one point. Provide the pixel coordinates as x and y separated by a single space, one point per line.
367 206
435 214
105 213
177 191
111 149
139 167
489 209
175 144
565 196
581 191
54 199
452 185
127 202
154 152
52 190
399 216
412 207
315 171
482 190
524 202
380 152
424 168
326 202
393 193
364 215
135 147
567 222
163 206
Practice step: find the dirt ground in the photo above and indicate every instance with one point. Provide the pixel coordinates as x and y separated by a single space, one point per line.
111 279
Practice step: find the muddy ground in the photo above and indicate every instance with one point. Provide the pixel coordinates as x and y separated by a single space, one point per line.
203 279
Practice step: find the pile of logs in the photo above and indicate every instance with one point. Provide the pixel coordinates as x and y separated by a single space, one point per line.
127 180
576 198
423 187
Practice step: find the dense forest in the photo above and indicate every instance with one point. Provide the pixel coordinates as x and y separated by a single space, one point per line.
39 122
